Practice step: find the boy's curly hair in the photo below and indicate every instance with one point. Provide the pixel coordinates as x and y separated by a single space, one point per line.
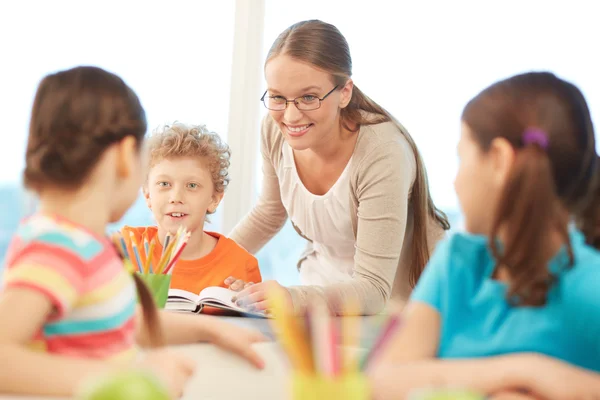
181 140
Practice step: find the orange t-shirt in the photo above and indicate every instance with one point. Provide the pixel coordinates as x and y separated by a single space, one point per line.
225 260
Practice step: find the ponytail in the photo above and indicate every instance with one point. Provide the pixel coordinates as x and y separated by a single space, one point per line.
151 320
361 110
527 212
589 219
149 311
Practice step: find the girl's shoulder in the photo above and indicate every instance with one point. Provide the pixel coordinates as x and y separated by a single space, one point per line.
586 267
462 259
462 249
54 236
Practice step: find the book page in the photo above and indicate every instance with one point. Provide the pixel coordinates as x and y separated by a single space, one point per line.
219 294
183 295
220 297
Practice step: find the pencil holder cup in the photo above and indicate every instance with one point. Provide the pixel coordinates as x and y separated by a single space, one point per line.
158 284
348 387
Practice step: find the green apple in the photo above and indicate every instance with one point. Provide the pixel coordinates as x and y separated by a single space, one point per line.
125 386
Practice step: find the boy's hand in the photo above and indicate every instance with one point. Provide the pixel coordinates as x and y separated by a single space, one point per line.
237 284
237 340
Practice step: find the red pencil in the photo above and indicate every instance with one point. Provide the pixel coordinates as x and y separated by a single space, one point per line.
176 256
386 335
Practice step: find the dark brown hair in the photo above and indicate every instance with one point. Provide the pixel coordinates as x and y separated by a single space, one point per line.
323 46
565 172
77 115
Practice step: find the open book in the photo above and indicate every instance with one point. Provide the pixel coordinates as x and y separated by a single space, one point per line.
213 296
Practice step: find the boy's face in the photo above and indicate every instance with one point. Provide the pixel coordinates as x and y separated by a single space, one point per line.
180 192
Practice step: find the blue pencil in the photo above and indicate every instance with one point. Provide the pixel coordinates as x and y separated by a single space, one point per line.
167 240
147 251
136 253
124 247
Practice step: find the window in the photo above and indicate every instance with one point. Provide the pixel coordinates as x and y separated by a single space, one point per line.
423 61
176 56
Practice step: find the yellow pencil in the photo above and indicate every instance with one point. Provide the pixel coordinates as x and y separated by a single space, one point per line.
293 337
350 333
165 257
148 267
136 253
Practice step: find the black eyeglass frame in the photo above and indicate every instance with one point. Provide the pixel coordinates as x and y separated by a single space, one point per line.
295 101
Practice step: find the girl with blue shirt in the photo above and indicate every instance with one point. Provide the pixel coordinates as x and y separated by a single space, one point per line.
521 280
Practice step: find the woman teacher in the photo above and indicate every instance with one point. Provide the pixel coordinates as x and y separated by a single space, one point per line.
346 173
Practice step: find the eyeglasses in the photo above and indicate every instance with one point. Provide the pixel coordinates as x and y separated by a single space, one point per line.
304 103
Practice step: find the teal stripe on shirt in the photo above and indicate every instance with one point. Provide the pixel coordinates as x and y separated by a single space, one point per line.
66 328
85 247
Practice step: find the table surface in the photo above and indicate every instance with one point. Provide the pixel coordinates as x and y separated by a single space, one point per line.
221 375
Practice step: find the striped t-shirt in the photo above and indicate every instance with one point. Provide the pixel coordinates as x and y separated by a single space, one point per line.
82 275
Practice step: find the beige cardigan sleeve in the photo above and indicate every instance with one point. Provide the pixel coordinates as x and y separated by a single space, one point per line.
268 215
382 173
382 185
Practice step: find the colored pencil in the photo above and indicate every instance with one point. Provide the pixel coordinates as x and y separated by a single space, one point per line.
166 244
178 252
384 337
136 252
350 333
149 253
124 247
165 258
292 336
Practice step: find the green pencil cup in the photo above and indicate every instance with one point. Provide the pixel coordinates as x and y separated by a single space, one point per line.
159 286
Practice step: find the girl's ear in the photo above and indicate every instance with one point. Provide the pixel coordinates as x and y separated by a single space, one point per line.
502 156
126 157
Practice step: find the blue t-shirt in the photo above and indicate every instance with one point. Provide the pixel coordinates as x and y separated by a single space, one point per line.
477 321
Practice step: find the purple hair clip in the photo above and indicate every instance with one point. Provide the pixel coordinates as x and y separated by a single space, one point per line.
535 136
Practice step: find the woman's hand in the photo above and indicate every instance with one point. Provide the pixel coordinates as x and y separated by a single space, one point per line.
255 296
237 284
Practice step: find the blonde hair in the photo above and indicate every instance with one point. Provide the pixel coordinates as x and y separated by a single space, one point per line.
196 141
